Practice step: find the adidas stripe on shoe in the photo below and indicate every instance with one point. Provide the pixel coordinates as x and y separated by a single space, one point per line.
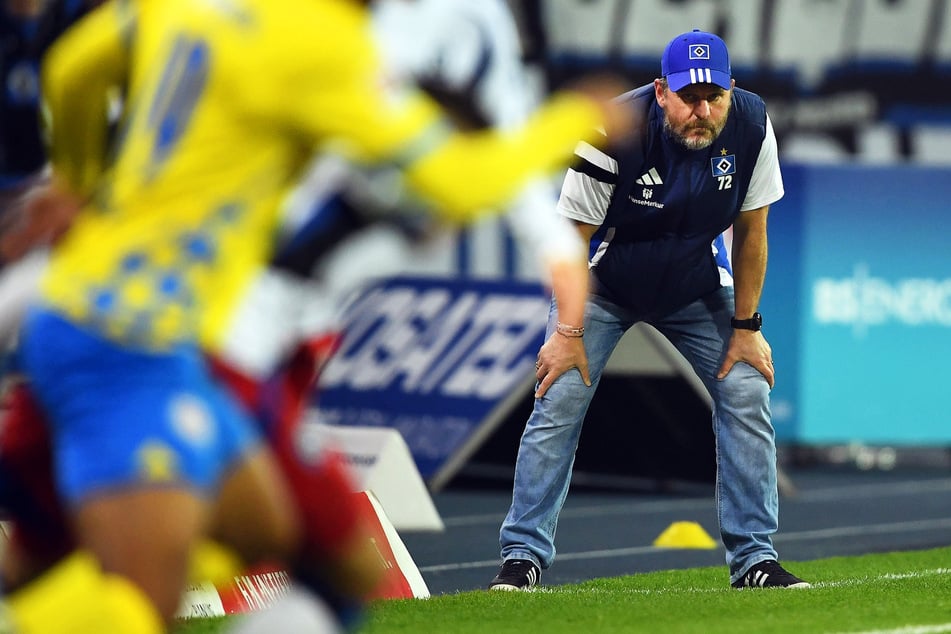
769 574
516 574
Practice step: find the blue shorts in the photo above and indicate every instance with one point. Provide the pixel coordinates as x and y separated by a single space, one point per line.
125 417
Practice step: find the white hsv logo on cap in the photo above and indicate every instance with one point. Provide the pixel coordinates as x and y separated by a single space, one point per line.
699 51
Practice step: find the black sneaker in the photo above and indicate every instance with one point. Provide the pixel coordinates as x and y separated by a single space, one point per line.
516 574
769 574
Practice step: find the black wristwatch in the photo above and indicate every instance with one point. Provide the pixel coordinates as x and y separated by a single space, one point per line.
754 323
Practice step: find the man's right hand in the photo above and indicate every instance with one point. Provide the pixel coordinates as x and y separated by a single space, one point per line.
557 356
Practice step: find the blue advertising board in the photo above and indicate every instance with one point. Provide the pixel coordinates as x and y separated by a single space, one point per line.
435 358
859 305
857 308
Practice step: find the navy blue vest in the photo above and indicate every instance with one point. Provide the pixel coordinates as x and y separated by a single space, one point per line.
670 204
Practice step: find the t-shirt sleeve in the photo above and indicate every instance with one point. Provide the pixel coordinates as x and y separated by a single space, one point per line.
588 186
81 74
766 186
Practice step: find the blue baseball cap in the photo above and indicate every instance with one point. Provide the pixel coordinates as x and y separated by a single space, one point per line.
696 57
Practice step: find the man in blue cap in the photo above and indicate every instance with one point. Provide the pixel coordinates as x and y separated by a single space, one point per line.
655 214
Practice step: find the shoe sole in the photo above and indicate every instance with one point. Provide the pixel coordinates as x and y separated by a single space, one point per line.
508 587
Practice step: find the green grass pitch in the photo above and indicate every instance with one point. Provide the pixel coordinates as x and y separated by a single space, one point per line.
890 593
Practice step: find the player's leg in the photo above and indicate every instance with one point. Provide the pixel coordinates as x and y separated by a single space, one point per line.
336 557
338 560
49 587
254 490
746 488
41 538
38 532
547 448
250 494
145 535
141 440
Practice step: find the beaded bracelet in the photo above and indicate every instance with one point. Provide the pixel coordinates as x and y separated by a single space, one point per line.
569 331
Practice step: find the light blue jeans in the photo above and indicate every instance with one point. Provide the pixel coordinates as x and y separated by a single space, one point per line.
746 490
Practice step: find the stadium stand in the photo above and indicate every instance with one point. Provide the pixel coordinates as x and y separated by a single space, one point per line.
844 81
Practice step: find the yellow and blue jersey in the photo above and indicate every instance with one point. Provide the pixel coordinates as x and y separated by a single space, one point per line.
225 100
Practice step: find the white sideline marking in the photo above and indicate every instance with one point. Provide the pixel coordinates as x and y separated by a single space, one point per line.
822 533
870 529
829 494
588 554
860 581
849 492
910 629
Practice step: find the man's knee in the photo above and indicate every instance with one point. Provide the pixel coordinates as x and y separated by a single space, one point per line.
744 384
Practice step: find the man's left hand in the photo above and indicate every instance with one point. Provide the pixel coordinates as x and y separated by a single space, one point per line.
750 347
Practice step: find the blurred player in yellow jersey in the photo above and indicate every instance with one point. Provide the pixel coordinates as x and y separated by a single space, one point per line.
224 101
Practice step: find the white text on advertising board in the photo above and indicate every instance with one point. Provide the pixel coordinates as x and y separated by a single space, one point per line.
429 341
863 301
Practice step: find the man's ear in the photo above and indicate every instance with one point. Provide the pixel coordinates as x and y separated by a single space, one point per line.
660 91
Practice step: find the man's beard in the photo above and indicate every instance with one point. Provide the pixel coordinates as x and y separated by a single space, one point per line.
694 143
